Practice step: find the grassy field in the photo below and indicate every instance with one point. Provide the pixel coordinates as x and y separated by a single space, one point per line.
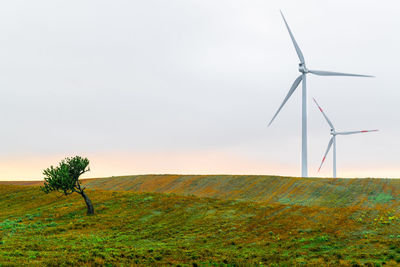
271 189
205 221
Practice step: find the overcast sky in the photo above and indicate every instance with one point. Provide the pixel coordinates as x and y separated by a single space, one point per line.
190 86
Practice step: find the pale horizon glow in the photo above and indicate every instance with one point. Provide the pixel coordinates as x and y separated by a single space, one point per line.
188 87
200 162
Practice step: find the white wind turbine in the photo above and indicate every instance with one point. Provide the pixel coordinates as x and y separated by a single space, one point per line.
304 71
333 139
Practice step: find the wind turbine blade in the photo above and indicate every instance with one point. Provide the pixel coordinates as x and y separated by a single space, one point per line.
326 117
326 153
296 46
331 73
292 89
356 132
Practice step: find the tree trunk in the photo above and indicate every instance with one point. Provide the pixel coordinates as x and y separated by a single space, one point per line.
90 209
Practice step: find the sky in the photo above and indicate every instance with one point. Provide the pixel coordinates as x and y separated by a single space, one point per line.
188 87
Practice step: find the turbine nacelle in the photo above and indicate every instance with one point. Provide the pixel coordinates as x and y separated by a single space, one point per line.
302 68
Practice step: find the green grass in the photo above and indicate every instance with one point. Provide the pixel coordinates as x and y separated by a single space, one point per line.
131 228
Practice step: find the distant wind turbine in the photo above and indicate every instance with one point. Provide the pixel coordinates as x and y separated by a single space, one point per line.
304 71
333 139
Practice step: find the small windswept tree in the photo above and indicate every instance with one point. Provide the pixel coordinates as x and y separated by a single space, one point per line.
64 178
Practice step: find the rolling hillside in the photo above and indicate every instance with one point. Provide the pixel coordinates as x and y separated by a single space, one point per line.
204 221
285 190
167 229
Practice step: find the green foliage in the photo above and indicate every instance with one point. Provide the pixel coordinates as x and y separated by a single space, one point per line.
64 177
